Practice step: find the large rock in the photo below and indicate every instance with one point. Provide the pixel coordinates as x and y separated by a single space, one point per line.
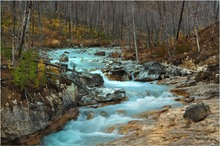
22 121
196 112
172 71
118 74
102 95
152 71
102 53
64 58
87 100
109 94
91 80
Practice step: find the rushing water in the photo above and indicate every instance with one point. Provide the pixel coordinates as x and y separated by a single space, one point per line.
83 132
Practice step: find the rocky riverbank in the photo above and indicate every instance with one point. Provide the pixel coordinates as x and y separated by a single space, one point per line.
40 113
27 117
168 126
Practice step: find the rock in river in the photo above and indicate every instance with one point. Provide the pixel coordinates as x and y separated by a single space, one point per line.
103 95
91 80
102 53
109 94
117 74
64 58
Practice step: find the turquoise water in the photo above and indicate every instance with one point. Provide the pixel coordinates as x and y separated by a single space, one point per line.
84 132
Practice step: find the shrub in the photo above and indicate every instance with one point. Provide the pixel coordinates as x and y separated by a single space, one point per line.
29 73
183 47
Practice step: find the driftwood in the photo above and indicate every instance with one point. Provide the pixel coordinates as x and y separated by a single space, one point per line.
54 65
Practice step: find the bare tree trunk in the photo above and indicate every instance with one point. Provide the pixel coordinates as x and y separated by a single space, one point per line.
134 33
180 20
122 20
27 26
13 38
70 7
196 31
33 32
197 38
24 26
217 13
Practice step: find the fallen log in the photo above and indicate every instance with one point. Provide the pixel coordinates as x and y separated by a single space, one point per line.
54 65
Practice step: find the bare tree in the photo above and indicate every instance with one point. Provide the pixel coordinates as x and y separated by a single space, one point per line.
13 36
25 25
134 31
180 20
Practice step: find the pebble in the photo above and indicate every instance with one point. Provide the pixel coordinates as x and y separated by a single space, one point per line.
14 101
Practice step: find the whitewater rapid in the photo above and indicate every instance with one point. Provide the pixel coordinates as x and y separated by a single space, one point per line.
89 132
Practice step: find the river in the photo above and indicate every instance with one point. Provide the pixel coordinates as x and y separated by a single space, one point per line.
88 132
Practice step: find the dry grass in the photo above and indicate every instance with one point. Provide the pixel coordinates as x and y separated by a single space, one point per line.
184 48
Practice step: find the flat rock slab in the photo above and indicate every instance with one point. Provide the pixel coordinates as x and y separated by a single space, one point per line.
103 95
109 94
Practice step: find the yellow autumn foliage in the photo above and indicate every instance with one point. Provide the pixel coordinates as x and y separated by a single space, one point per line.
41 76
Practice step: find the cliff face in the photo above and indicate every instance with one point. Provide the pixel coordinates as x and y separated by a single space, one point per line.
20 121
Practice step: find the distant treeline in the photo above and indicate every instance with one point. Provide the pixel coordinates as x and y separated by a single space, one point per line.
154 20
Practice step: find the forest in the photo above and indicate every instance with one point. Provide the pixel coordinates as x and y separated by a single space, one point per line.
140 69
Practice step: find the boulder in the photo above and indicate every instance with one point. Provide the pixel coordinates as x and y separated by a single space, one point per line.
172 71
109 94
87 100
152 71
196 112
69 97
102 95
63 58
117 74
66 52
90 115
91 80
102 53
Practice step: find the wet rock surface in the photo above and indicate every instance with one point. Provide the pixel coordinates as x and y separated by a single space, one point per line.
152 71
109 94
103 95
118 74
102 53
149 71
91 80
64 58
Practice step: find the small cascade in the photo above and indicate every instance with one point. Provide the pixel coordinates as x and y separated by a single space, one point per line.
132 76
